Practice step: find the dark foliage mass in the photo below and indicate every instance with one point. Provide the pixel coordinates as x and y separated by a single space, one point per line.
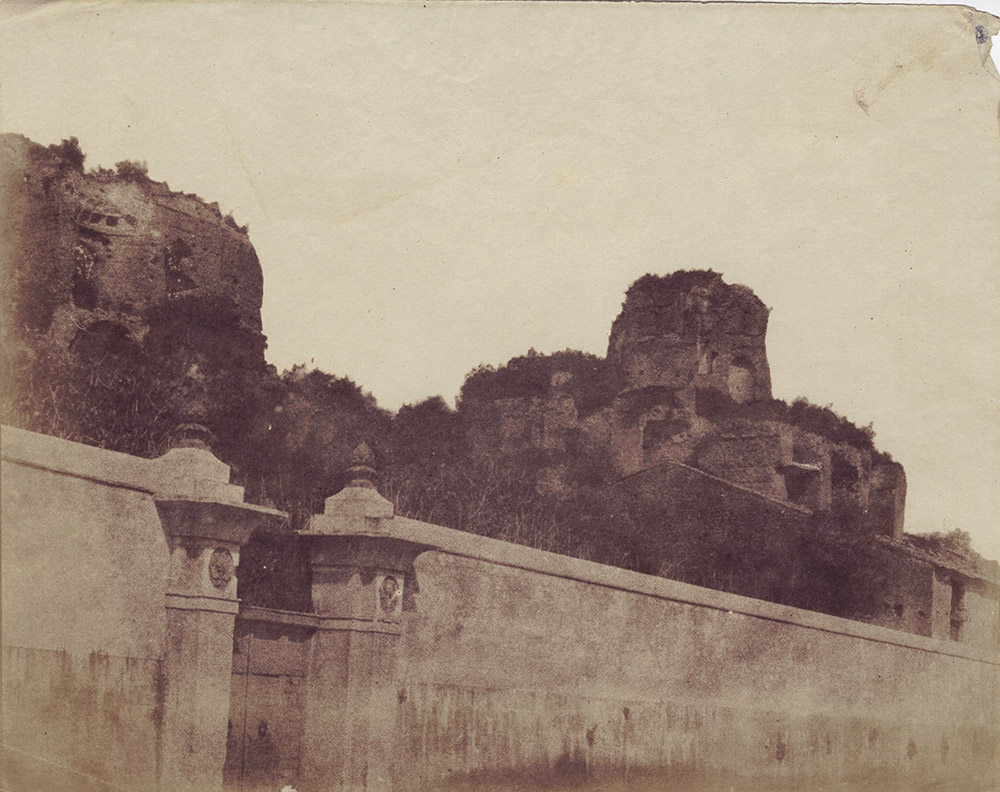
108 397
70 153
657 288
110 390
313 422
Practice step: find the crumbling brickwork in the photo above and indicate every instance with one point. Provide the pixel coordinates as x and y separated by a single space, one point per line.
688 357
129 285
108 248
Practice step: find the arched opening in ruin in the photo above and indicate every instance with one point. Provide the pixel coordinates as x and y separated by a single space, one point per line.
177 266
84 290
741 380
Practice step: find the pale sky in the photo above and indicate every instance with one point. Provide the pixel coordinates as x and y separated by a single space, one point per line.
433 186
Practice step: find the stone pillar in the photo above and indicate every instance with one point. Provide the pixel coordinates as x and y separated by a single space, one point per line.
358 584
205 522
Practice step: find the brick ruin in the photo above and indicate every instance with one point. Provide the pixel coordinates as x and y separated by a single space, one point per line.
109 266
688 360
107 249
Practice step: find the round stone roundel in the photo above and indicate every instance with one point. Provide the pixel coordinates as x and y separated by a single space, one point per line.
220 567
389 594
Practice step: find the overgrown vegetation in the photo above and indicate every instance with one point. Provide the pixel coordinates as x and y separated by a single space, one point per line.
309 426
70 153
823 421
656 288
589 379
954 541
131 170
109 390
110 399
290 437
955 548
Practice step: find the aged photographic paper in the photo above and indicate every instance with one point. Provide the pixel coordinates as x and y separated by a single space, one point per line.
500 395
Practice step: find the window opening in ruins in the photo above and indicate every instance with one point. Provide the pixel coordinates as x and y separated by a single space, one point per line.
796 486
741 380
844 473
957 609
802 483
176 265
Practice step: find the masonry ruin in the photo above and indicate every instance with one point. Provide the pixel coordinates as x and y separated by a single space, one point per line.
692 412
110 269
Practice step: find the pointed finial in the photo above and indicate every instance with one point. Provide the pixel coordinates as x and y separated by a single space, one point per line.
351 509
192 435
361 467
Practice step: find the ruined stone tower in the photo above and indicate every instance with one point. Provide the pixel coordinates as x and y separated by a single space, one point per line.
111 247
108 269
692 330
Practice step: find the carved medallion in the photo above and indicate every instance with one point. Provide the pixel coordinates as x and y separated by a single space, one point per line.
220 567
389 594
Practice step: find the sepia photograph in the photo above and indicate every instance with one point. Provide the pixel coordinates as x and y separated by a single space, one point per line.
499 395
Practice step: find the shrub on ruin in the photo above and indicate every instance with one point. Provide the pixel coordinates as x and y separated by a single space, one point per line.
590 379
132 170
309 431
70 153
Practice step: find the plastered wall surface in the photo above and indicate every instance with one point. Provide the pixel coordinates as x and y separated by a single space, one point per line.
84 560
118 607
72 541
515 677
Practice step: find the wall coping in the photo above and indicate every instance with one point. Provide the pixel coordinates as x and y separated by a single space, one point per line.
180 473
31 449
461 544
76 459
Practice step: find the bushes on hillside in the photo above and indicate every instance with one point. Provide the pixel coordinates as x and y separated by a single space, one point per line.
308 434
70 153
